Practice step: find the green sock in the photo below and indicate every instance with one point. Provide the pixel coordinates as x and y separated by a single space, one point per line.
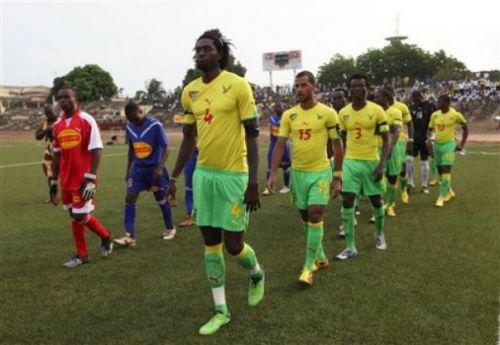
314 238
403 181
392 190
444 185
379 220
247 259
215 268
347 215
320 254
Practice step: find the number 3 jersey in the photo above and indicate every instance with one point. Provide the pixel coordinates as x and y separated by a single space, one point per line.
218 109
309 131
147 141
75 138
362 127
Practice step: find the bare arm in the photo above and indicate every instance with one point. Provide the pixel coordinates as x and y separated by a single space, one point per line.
55 165
394 130
465 134
252 193
277 156
129 160
96 160
338 156
343 135
379 172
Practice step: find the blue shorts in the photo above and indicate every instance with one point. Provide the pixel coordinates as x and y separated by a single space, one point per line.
140 178
285 161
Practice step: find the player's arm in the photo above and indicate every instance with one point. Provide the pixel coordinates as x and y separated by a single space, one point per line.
277 156
186 150
465 134
343 137
394 131
251 127
42 131
382 130
411 132
130 156
162 142
338 156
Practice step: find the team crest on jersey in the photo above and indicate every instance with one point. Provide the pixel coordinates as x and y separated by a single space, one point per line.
346 118
293 116
69 138
225 89
142 149
319 116
193 95
370 116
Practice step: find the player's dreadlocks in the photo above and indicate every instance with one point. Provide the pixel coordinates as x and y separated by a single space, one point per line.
221 43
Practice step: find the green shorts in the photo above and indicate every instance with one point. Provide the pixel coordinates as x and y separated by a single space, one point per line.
444 153
394 163
218 199
357 176
311 188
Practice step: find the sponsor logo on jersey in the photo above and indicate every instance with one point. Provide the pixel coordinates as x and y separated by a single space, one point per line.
225 89
69 138
142 149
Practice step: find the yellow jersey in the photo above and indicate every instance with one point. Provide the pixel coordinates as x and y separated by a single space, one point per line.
309 131
444 124
406 118
394 118
361 127
218 109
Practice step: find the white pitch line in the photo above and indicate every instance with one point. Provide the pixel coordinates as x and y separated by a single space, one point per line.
17 165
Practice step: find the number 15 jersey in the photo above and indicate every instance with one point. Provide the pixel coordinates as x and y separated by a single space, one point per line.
309 131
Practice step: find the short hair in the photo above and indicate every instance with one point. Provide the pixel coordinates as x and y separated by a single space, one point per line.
69 88
307 74
221 43
358 76
445 98
385 92
344 91
131 108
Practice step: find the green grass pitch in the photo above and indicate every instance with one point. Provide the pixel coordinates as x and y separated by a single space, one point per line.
437 283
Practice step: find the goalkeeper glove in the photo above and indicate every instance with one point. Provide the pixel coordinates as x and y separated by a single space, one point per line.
89 186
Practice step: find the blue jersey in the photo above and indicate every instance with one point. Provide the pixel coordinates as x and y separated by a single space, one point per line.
147 142
274 123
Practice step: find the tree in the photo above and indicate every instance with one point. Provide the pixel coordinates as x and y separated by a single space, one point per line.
232 66
396 60
336 71
90 82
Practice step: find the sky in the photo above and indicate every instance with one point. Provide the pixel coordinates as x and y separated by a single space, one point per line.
139 40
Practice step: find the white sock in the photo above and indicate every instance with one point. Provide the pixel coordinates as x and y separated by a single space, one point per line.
409 170
219 295
424 168
256 270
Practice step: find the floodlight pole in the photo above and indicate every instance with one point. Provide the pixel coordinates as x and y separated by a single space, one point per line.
271 79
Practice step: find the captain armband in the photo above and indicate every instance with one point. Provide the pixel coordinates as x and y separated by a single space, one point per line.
251 130
334 132
382 127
